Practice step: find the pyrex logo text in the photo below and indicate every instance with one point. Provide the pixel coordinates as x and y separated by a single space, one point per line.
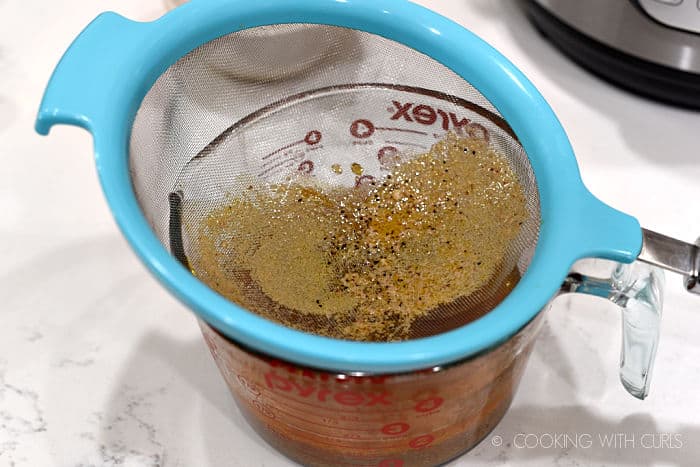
308 390
428 115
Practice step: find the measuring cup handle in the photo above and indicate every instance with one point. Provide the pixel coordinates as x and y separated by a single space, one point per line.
637 288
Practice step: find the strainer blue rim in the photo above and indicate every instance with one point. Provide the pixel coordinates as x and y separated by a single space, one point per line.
103 77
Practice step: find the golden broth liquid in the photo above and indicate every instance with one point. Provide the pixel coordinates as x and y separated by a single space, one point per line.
419 252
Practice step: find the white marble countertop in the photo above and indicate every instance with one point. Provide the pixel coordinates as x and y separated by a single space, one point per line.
99 365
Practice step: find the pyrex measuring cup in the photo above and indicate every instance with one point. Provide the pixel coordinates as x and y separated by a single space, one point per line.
157 109
424 417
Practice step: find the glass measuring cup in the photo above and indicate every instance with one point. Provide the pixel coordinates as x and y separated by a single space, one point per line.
420 418
424 417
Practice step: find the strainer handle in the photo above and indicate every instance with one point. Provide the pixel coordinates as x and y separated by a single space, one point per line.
637 288
86 79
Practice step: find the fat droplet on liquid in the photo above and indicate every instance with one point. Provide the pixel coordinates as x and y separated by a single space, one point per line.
336 168
356 168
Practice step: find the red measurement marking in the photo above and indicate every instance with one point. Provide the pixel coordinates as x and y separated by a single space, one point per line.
312 137
283 148
405 130
391 463
362 128
296 155
306 167
279 164
421 441
395 428
429 404
477 130
405 143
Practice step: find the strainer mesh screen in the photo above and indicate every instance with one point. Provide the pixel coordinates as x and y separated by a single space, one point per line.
259 106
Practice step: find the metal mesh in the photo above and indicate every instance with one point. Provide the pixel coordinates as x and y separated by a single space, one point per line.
258 105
